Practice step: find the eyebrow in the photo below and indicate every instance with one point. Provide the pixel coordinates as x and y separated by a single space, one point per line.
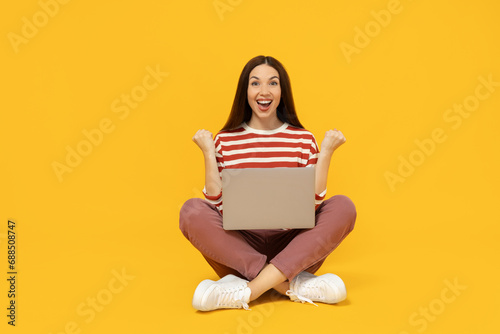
273 77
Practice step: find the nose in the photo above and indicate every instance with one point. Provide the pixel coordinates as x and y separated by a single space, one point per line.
264 90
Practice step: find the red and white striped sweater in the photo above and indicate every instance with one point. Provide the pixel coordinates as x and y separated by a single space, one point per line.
245 147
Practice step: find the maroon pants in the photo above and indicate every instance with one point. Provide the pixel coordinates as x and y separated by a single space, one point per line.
245 253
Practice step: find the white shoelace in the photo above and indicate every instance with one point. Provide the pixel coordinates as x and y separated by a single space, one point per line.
298 298
229 298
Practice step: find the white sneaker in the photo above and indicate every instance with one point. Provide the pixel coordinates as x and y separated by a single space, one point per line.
327 288
228 292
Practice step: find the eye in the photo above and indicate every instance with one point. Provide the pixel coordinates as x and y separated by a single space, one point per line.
254 83
274 83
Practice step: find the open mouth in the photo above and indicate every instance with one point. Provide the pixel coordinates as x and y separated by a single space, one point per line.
264 104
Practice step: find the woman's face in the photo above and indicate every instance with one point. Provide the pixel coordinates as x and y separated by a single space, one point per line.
264 93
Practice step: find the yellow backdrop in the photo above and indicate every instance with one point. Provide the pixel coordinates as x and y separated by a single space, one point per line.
99 104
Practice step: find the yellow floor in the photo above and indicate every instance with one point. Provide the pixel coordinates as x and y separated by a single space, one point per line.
99 104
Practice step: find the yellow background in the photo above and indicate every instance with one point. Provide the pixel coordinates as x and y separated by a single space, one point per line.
118 209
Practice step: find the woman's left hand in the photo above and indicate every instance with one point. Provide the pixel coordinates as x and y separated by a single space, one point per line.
333 139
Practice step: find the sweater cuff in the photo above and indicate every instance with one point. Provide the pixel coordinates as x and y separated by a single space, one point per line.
214 199
318 199
321 196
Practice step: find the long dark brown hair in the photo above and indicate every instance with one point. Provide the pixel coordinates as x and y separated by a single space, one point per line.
241 111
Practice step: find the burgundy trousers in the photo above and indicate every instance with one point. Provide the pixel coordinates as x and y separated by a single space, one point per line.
246 253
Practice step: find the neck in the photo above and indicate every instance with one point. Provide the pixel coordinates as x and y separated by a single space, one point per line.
260 124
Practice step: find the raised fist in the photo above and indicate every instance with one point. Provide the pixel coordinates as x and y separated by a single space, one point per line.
333 139
203 139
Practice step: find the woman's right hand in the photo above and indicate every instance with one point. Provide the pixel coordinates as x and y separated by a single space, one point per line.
203 139
213 183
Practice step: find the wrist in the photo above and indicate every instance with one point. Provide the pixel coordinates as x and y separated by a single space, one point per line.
326 153
209 154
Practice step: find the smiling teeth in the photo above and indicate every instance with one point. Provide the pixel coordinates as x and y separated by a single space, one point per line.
264 102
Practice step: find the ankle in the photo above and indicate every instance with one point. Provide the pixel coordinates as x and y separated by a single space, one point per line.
253 292
282 288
